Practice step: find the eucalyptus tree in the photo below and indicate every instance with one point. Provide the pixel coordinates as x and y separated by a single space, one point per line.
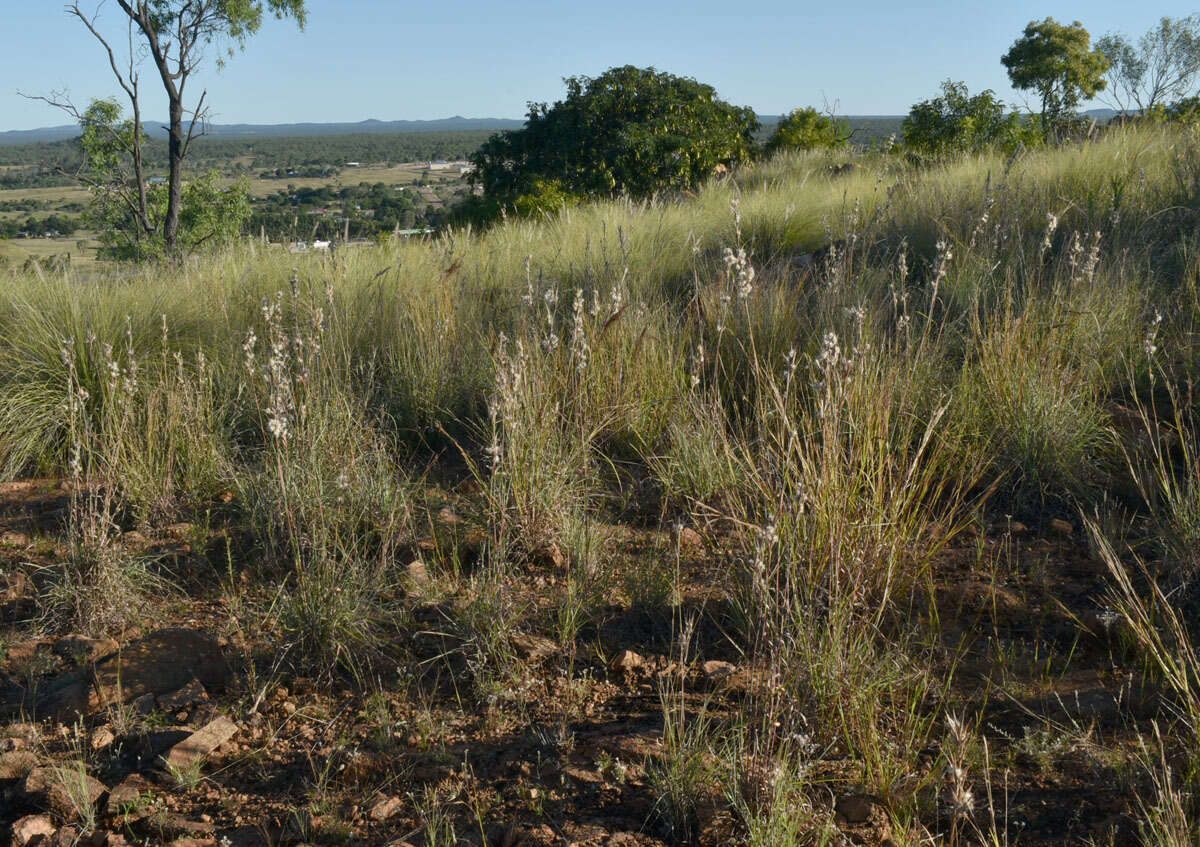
1058 62
1158 68
175 37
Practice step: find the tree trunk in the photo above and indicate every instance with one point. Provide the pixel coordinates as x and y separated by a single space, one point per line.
175 151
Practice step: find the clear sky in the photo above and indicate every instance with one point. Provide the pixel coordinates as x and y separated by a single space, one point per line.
392 60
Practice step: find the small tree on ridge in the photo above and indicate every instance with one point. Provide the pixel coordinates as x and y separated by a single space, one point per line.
1058 63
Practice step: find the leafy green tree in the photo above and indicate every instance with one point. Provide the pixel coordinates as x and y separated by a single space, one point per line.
127 212
543 196
210 216
1185 111
175 35
1058 63
114 172
631 130
1159 67
957 122
808 129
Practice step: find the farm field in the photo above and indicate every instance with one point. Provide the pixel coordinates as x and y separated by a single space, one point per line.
425 191
437 189
44 250
407 173
821 505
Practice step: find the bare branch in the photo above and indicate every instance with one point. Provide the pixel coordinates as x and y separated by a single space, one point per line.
73 9
200 115
59 101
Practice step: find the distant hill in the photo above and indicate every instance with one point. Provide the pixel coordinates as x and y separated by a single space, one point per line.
456 123
372 127
869 127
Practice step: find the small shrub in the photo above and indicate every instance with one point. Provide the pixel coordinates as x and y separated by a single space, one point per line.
957 123
807 129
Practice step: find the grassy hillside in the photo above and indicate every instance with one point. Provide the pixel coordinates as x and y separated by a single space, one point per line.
832 501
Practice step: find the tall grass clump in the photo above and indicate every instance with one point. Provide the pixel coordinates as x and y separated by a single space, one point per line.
163 432
1164 640
589 382
324 495
98 588
855 491
421 340
1167 475
851 480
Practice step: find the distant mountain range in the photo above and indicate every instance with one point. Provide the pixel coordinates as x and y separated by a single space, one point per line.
61 133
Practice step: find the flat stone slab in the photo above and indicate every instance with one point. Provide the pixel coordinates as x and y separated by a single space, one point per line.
162 662
166 661
202 742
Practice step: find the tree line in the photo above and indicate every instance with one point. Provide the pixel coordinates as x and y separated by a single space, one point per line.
38 227
365 210
630 131
45 164
639 132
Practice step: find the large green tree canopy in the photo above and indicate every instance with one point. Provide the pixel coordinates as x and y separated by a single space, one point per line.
1058 63
629 131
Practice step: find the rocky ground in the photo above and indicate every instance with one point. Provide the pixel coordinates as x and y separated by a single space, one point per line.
192 730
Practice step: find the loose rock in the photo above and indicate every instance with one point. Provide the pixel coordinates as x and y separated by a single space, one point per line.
30 827
68 836
103 738
418 575
386 808
87 649
534 647
862 819
16 764
127 794
855 809
718 671
202 743
628 661
186 697
1063 529
165 827
689 539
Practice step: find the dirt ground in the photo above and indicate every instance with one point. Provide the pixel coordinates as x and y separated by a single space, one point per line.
192 730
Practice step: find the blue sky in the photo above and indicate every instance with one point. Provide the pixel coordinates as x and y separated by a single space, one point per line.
384 59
